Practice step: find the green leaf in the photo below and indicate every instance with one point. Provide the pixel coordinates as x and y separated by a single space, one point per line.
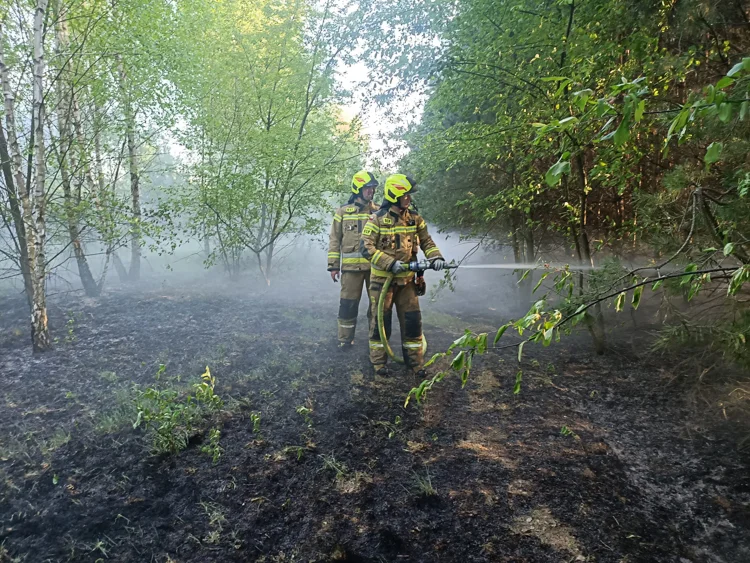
517 386
619 301
539 283
724 82
500 333
657 285
743 65
464 378
548 337
568 122
725 112
563 85
458 362
482 343
740 276
713 153
743 110
640 110
728 248
520 351
710 94
434 359
637 296
556 171
581 98
603 108
622 134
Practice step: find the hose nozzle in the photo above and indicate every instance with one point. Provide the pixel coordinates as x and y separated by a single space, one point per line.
422 265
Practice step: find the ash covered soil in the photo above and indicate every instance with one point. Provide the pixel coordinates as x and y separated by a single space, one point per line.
597 459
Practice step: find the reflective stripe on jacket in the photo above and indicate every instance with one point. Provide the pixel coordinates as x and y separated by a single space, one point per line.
389 236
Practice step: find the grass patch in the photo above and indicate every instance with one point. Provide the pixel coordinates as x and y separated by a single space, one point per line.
108 376
118 418
423 484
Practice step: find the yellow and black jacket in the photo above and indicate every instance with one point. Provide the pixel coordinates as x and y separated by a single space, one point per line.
343 243
389 236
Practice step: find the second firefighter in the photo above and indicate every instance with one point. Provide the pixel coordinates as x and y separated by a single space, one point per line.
344 258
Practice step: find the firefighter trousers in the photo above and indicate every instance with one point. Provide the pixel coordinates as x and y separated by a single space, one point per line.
405 298
351 293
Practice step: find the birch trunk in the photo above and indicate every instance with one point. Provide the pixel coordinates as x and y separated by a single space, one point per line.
39 328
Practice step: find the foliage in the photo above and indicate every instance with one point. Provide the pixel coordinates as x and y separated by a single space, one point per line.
582 130
213 449
264 126
170 418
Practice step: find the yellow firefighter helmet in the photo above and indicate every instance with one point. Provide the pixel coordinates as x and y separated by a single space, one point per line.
397 185
363 179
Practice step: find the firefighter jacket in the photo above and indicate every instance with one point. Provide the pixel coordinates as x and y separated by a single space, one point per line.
389 236
343 244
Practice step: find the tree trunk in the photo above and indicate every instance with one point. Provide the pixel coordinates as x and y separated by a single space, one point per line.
269 261
122 273
15 183
135 232
67 155
594 321
15 214
206 244
39 328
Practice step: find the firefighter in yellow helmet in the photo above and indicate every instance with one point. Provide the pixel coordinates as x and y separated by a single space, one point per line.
390 239
344 258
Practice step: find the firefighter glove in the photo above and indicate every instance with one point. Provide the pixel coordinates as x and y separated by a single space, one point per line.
399 266
438 264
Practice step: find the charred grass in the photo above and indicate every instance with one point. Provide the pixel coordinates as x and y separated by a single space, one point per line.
597 459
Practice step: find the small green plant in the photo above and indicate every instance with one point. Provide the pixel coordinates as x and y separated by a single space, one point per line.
305 412
298 451
108 376
216 521
212 448
171 417
565 431
330 462
423 484
57 440
391 428
70 335
255 419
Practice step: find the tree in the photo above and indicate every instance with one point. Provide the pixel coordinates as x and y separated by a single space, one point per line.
264 122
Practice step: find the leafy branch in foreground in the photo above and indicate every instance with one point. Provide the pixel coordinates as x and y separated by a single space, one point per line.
546 323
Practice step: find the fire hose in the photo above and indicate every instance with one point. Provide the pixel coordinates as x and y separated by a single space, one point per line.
419 267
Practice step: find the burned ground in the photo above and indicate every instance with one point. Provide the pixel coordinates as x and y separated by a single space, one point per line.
597 459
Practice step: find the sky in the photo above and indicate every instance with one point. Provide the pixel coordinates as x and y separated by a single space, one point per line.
377 123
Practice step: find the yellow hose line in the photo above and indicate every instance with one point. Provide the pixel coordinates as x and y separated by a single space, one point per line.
381 326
